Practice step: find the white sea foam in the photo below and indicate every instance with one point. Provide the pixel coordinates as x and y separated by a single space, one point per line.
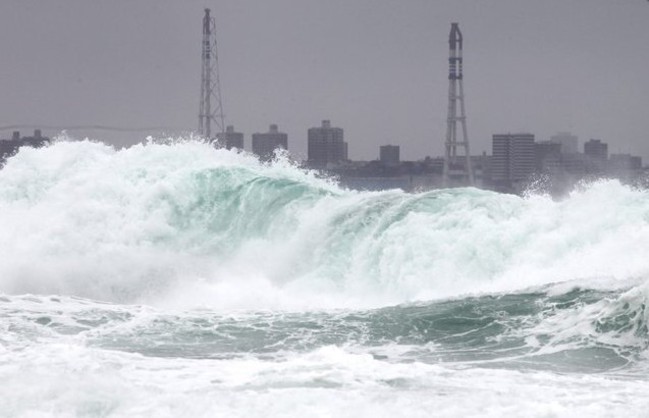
619 322
71 380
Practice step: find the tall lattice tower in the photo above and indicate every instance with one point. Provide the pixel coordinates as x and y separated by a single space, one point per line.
211 107
456 171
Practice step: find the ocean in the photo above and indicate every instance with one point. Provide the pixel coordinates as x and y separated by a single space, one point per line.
172 279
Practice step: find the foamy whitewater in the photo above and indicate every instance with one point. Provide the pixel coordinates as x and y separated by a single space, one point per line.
174 279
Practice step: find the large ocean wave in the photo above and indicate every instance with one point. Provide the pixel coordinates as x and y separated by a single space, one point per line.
176 279
182 224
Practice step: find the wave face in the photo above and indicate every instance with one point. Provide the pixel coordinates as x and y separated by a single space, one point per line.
183 224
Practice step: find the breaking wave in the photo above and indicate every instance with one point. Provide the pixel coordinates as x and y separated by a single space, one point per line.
182 224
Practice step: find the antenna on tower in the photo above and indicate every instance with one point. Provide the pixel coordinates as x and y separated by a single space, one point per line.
453 167
211 108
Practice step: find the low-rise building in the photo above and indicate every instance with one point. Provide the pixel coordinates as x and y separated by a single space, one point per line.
9 147
230 139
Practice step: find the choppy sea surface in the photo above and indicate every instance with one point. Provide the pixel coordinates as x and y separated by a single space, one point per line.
174 279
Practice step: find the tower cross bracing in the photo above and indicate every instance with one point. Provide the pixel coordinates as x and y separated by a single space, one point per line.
210 115
455 170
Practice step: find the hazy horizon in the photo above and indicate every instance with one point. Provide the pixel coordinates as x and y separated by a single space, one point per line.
378 70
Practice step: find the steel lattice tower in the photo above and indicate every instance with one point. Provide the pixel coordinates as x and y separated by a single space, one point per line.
211 108
453 166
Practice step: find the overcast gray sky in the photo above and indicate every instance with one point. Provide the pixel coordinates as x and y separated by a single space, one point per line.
377 68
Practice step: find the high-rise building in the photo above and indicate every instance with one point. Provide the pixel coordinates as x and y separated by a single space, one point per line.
569 142
326 145
230 139
596 149
573 164
512 157
265 144
500 157
547 155
596 153
389 154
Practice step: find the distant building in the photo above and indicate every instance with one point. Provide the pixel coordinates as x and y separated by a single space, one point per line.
512 158
596 149
389 154
264 145
230 139
547 156
625 167
481 165
574 164
569 142
596 153
625 162
9 147
326 146
500 156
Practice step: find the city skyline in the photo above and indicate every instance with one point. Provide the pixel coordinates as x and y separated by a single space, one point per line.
377 70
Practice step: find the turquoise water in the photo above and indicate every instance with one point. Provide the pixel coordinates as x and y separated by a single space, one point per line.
174 279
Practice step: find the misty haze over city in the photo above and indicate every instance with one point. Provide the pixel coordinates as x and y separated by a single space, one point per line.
376 69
